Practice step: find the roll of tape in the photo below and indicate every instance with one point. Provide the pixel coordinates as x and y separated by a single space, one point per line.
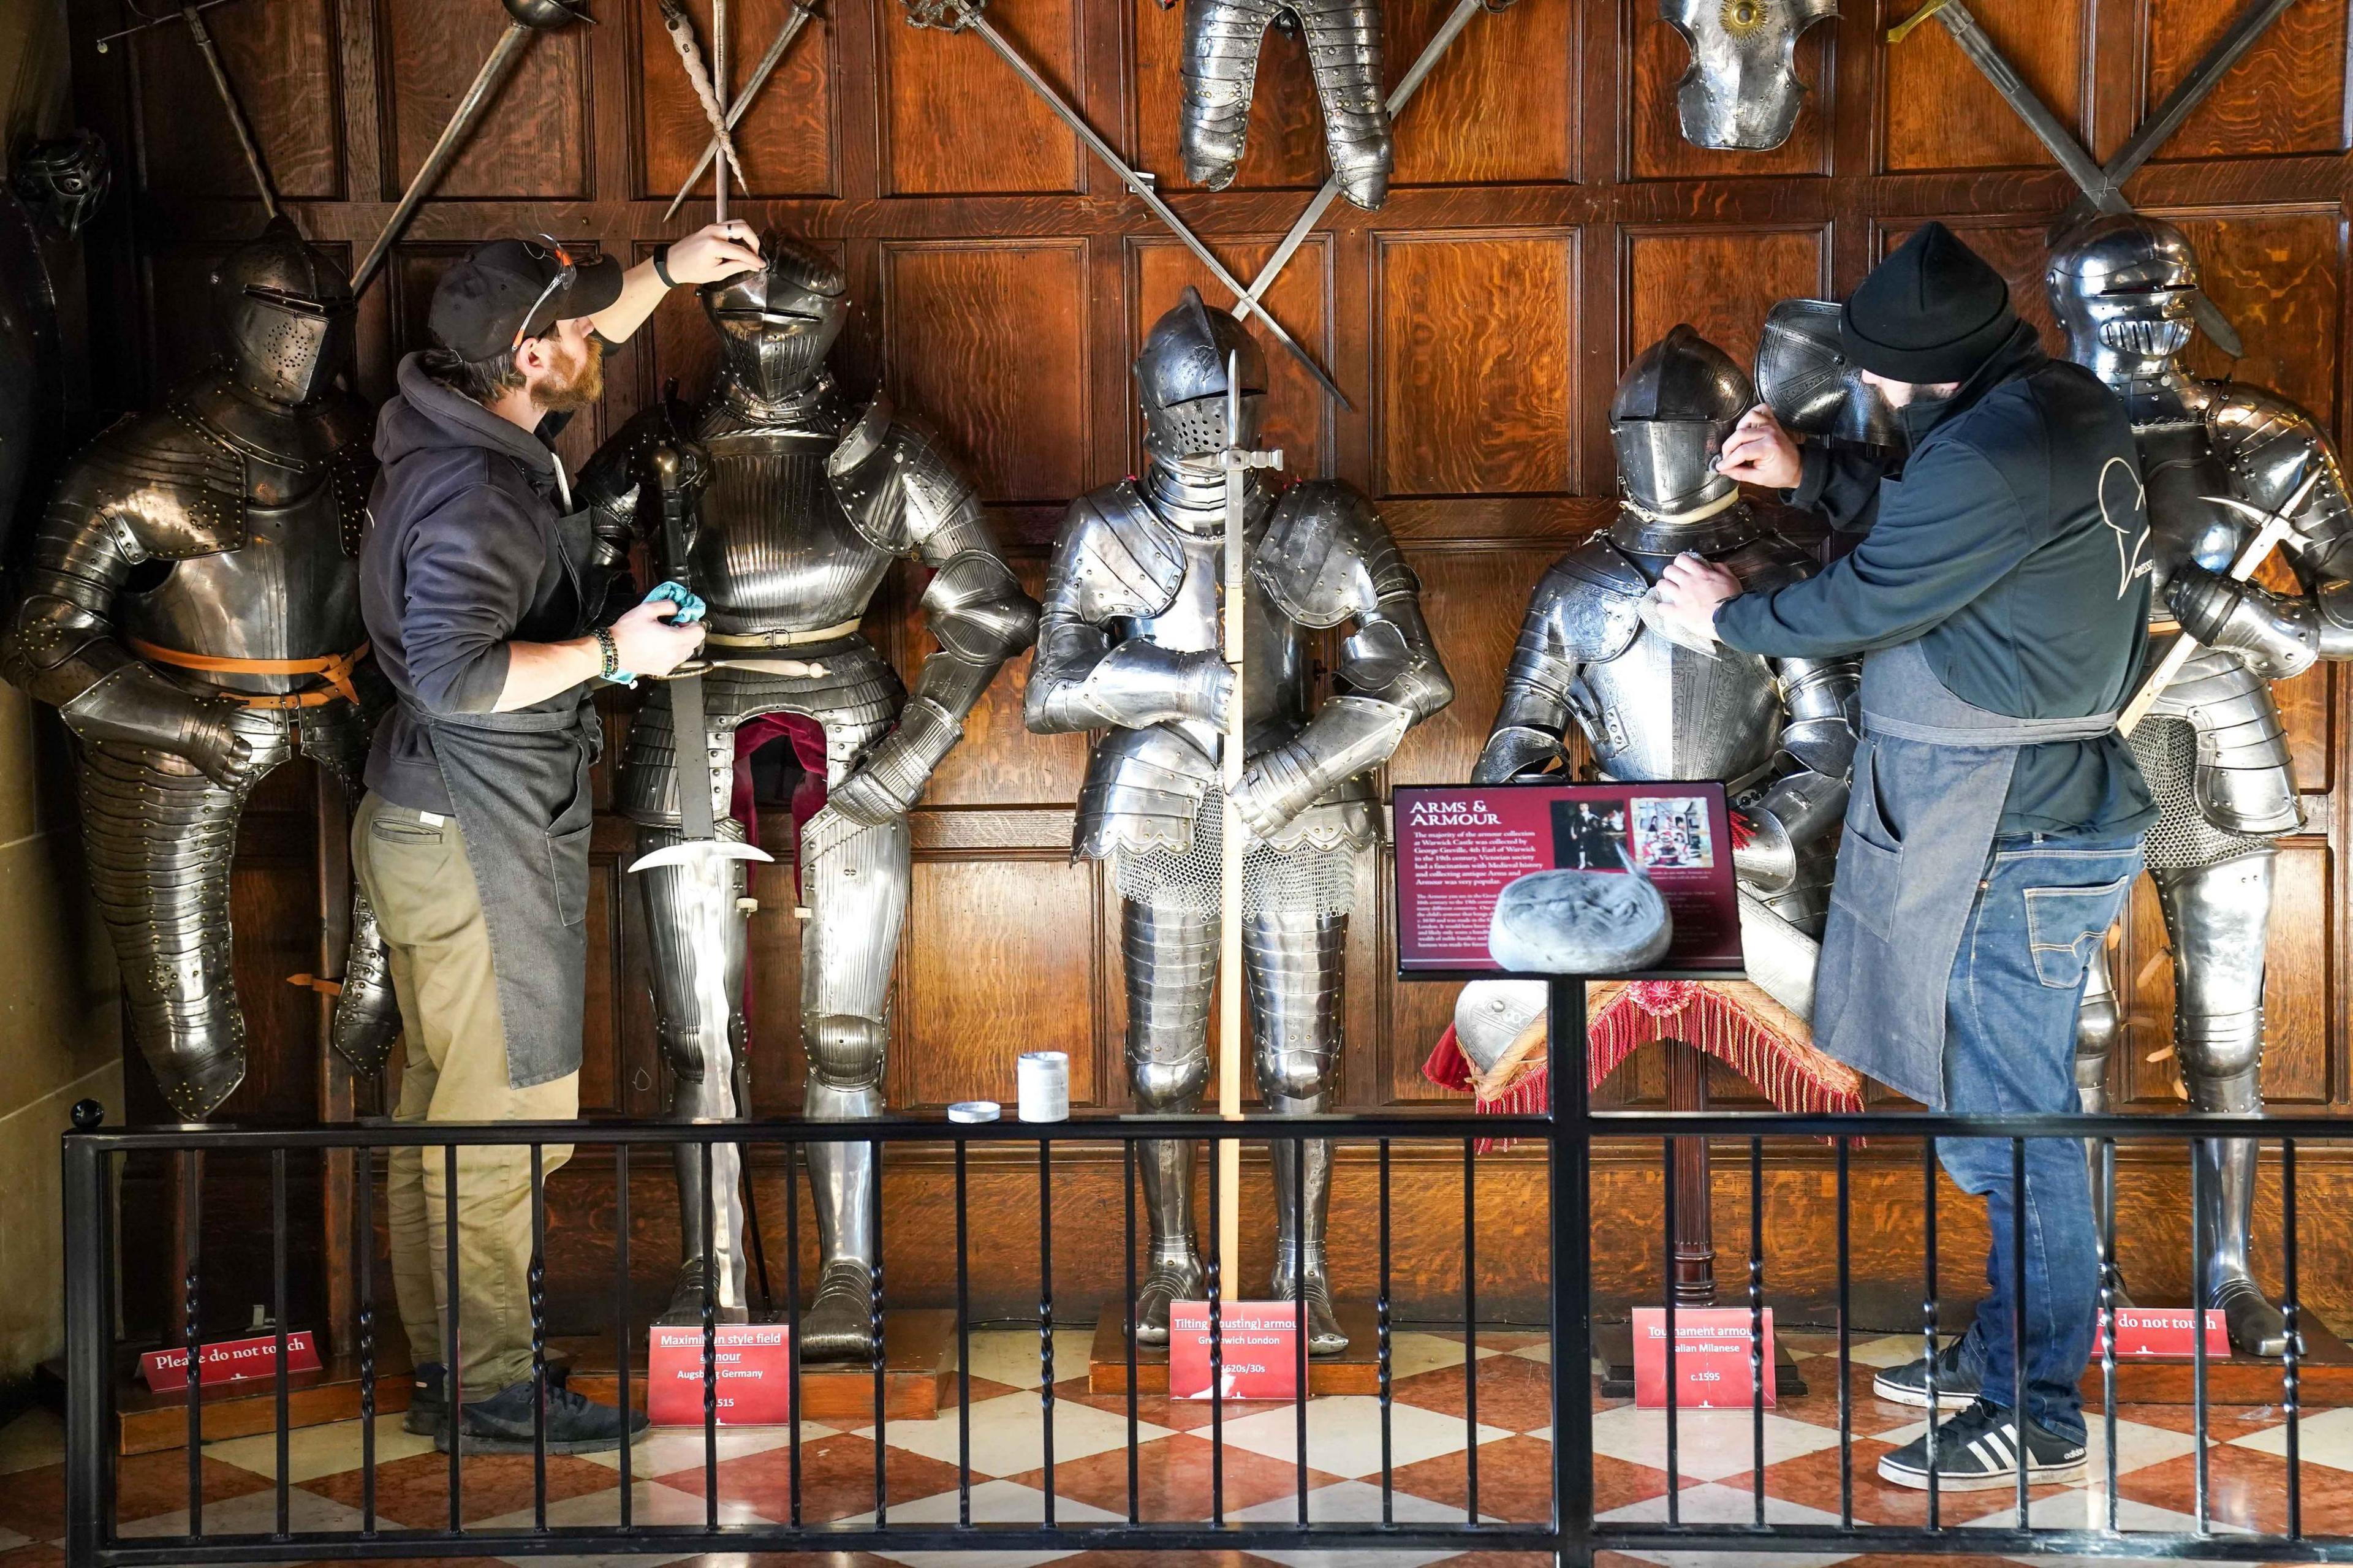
1044 1078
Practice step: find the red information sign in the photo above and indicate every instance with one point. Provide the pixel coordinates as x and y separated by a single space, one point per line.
754 1363
1710 1358
231 1361
2161 1332
1258 1350
1458 848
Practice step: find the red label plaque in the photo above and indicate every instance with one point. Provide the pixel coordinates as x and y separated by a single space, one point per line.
1710 1358
1258 1350
231 1361
2158 1334
754 1363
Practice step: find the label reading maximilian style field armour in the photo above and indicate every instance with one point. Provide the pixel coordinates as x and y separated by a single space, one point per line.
1258 1344
754 1383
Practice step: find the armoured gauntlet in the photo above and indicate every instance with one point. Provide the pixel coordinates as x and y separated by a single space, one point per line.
1348 735
2279 636
134 704
892 776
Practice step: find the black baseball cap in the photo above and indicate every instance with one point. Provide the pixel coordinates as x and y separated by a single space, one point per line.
510 289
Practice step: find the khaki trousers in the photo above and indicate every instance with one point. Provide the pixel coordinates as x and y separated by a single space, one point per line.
417 874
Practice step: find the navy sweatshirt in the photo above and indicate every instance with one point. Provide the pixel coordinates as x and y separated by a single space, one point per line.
2012 544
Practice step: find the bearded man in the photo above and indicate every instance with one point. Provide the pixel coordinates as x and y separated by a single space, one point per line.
484 589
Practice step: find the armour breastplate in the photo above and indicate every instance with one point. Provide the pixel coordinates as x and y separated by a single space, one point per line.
776 553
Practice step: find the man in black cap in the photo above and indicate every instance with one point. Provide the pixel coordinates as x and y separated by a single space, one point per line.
484 590
2000 596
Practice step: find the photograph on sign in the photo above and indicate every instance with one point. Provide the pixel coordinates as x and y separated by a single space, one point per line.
1600 880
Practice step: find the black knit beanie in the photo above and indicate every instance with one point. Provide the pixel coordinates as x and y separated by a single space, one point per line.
1933 311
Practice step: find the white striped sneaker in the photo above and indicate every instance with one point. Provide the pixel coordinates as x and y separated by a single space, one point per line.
1978 1449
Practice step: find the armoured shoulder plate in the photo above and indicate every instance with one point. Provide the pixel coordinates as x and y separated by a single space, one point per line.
1592 596
609 477
1767 562
1115 557
1326 556
897 485
170 487
2271 446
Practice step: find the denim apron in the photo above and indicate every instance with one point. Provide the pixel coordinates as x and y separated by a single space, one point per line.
1920 822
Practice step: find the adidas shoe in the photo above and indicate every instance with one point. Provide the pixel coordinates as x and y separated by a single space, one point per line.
1978 1449
1956 1379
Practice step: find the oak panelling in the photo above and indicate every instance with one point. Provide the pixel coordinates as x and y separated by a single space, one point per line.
998 762
1657 150
2304 713
1941 113
2278 277
281 56
531 142
1298 412
998 959
1505 94
786 140
956 120
1475 334
1284 149
274 912
1721 282
2287 94
984 339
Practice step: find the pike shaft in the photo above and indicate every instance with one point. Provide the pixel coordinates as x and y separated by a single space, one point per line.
228 90
487 82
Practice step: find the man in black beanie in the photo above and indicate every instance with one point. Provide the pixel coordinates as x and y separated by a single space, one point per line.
1999 596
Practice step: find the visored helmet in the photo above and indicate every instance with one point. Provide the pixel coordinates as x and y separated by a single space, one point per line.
776 325
2126 284
1675 405
1180 380
282 313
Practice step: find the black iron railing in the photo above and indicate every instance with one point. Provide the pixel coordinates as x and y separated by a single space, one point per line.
1572 1533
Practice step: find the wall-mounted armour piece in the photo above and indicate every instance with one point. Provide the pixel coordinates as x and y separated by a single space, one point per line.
1223 39
1741 93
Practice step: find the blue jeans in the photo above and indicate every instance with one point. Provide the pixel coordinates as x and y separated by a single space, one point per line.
2043 905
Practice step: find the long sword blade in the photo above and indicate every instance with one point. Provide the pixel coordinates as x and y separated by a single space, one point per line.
487 82
1456 20
971 16
802 12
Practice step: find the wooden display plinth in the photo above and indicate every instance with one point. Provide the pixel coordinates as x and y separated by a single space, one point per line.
149 1422
2324 1375
919 1362
1356 1370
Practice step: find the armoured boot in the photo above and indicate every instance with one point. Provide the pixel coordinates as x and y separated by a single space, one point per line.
2096 1027
2226 1204
1171 965
1294 962
1298 1257
1172 1266
839 1322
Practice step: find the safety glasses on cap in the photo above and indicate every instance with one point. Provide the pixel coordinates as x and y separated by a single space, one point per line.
566 270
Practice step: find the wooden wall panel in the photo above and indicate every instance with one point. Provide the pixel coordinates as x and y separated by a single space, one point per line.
1000 960
1657 150
955 118
1284 147
1721 282
531 144
1941 113
986 340
785 139
2286 95
1298 412
2279 278
998 762
1506 94
1476 335
281 56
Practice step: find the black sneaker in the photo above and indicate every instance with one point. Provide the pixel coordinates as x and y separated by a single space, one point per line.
576 1424
1978 1449
1956 1379
428 1400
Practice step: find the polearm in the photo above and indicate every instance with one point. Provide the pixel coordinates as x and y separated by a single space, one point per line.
2056 139
526 17
1399 95
1237 461
967 14
680 27
2276 527
246 141
802 12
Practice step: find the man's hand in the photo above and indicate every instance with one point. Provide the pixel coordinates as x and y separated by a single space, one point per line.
648 641
1759 452
1690 592
714 251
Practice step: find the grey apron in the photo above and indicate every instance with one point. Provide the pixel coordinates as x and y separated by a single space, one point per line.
1920 822
519 783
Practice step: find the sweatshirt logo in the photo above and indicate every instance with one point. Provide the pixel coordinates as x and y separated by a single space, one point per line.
2121 498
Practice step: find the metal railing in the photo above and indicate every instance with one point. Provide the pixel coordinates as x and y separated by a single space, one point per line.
1572 1533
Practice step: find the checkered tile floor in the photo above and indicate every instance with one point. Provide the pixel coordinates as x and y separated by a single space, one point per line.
1429 1444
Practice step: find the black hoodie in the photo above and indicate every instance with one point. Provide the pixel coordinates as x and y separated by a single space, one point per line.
463 553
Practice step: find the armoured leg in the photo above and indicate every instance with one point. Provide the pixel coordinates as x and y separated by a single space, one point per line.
2096 1027
698 937
2219 917
1172 964
856 892
1294 962
1222 40
1344 51
159 836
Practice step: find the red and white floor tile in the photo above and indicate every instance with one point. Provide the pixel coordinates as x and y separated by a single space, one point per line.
1430 1453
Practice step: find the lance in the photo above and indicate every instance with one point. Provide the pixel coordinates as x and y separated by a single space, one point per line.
967 14
2055 137
526 17
680 27
2275 526
245 140
802 12
1236 461
1399 95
